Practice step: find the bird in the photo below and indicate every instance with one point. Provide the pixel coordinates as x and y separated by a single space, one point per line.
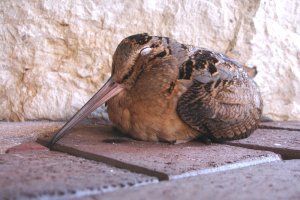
161 90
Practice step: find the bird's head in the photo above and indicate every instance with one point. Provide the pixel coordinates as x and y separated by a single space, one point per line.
128 61
132 54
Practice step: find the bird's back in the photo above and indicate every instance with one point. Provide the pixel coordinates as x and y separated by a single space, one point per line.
222 102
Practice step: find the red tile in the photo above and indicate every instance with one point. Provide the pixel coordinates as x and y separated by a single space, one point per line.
25 147
162 160
284 142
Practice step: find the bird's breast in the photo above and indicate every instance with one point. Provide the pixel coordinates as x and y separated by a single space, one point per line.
148 111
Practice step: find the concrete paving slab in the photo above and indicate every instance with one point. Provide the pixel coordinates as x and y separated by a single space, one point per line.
276 180
288 125
42 174
284 142
162 160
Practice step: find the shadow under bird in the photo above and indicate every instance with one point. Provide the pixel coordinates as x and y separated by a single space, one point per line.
162 90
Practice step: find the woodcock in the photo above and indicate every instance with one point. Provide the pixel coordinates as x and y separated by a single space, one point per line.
162 90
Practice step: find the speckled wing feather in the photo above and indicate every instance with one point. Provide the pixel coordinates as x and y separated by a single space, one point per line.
222 101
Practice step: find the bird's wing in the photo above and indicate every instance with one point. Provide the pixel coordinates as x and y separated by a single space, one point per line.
222 101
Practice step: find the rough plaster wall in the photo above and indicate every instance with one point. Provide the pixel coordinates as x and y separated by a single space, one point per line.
56 54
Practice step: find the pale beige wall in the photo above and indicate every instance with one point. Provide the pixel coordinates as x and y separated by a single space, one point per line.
56 54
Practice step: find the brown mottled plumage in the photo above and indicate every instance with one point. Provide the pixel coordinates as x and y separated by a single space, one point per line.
162 90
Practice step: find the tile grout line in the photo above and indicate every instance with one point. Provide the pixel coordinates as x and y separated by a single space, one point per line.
228 167
277 128
112 162
286 154
86 192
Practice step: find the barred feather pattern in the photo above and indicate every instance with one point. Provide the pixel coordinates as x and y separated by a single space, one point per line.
222 102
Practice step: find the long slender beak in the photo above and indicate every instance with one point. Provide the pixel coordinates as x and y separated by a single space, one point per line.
108 90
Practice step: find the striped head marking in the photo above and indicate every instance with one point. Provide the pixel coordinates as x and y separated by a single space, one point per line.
132 53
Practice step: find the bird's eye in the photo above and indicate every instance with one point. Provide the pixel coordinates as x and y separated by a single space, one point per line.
145 51
129 73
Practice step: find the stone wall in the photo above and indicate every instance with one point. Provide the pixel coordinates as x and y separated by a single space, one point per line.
56 54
